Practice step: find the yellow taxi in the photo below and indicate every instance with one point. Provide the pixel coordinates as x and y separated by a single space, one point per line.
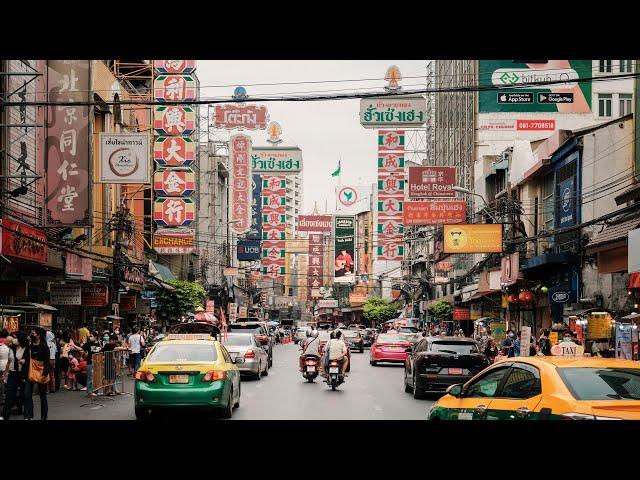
546 388
187 371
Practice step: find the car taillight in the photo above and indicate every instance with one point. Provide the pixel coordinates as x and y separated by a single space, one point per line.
250 354
145 377
213 376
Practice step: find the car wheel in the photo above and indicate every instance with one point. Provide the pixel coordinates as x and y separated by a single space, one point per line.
227 412
373 363
237 404
258 375
361 349
417 393
407 387
142 413
266 370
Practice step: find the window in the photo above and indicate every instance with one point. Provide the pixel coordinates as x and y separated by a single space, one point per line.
488 384
171 353
457 348
604 104
604 66
625 103
522 383
225 354
626 66
602 383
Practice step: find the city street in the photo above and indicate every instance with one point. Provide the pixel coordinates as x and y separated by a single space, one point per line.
369 393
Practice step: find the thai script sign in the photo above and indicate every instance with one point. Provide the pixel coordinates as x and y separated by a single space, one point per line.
124 158
66 295
434 213
133 275
250 117
315 223
95 295
68 185
479 238
393 111
276 159
431 182
240 188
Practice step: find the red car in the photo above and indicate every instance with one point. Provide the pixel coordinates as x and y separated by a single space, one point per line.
389 347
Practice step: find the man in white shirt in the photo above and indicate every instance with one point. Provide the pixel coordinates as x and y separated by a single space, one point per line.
136 342
338 351
4 361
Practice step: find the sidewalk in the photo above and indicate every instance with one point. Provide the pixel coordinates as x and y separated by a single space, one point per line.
66 405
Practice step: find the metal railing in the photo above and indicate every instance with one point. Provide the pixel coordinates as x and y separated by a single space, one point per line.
107 374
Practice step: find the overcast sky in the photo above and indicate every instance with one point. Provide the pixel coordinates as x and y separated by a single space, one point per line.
327 130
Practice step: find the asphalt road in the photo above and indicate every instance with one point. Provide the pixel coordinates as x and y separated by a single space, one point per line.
369 393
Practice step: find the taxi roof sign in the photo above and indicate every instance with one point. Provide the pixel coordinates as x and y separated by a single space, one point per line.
189 336
567 349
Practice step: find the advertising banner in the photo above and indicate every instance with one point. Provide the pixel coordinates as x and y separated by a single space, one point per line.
240 184
434 213
95 295
271 160
393 111
315 278
567 96
65 295
315 223
170 242
357 298
174 182
562 294
249 117
210 306
566 206
344 242
23 241
505 124
124 158
174 151
68 173
467 238
249 250
598 326
432 182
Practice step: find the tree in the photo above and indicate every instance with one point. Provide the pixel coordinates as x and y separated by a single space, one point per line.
186 297
378 310
442 310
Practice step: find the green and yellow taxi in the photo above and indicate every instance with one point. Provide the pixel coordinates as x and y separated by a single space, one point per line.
546 388
187 371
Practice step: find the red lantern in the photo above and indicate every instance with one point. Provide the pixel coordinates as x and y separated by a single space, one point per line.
526 296
513 298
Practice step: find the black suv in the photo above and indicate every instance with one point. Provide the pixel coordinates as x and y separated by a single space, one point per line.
435 363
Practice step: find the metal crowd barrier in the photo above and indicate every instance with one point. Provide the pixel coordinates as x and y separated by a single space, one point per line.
107 372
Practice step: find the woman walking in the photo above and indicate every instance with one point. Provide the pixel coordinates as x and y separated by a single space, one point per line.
37 370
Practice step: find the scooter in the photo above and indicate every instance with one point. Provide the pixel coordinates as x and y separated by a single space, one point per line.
310 369
335 376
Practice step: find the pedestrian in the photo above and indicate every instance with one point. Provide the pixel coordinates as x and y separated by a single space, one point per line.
136 343
7 374
38 369
16 378
90 347
80 371
72 378
83 334
67 346
516 345
5 353
508 343
544 343
491 347
53 350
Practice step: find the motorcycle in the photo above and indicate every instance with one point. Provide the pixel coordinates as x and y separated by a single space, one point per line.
335 376
310 369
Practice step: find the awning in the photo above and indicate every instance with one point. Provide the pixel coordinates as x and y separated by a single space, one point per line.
613 234
161 284
33 306
634 280
160 272
132 286
577 313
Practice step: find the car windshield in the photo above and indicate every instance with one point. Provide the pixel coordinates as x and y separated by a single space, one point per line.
173 352
257 329
602 383
386 338
408 330
241 340
462 348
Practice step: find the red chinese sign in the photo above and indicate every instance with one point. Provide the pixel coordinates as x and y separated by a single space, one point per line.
174 183
95 295
240 190
174 66
22 241
434 213
173 212
390 195
390 140
174 120
315 269
461 314
432 182
174 88
273 226
250 117
174 151
68 186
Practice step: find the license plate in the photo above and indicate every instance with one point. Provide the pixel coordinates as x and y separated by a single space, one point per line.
311 369
397 349
431 375
333 370
455 371
178 378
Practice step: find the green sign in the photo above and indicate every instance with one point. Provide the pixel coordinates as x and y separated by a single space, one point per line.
570 96
268 160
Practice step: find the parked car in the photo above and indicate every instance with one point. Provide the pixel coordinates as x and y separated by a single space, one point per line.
247 354
354 340
436 363
389 347
261 330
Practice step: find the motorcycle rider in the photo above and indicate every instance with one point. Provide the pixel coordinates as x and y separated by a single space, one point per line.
310 347
337 351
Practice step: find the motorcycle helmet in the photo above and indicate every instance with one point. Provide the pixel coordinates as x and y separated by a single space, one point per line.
308 333
315 333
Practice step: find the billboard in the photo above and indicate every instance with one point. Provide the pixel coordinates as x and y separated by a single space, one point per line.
434 213
240 184
344 243
66 295
478 238
276 160
567 204
393 111
432 182
249 250
315 223
566 97
124 158
68 180
249 117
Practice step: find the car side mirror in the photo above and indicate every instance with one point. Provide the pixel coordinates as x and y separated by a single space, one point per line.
455 390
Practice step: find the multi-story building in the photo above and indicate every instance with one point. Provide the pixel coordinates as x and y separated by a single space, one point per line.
294 200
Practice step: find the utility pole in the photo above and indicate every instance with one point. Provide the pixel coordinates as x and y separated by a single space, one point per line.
120 223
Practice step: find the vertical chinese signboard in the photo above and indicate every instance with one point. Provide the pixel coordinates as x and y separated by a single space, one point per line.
345 258
240 189
68 185
174 151
390 194
273 226
316 264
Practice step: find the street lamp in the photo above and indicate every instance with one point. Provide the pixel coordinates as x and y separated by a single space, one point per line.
469 192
